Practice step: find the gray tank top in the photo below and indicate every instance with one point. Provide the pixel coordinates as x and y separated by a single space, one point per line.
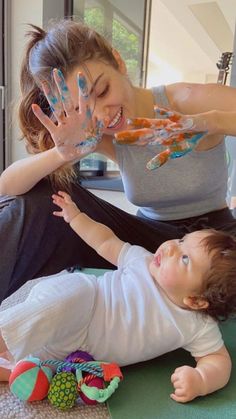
183 187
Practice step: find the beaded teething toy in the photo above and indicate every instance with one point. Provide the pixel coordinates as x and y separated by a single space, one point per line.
78 375
168 132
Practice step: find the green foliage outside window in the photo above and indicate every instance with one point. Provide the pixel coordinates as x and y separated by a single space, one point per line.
125 41
94 18
128 44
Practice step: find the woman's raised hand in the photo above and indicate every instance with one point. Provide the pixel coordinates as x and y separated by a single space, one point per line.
75 132
175 132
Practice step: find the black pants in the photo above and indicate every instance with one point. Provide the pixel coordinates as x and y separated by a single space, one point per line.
36 243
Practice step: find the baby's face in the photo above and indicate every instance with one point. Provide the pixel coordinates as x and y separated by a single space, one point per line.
179 266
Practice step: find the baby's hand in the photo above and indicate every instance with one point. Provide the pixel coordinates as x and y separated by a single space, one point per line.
187 383
69 210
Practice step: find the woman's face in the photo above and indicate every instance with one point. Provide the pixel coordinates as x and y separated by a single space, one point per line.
111 95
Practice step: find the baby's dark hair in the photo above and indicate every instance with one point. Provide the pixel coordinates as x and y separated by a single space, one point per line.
219 284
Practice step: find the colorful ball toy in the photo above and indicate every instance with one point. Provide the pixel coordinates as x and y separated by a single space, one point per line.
63 390
30 380
78 375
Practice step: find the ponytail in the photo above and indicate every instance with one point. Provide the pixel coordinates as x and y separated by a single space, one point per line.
36 136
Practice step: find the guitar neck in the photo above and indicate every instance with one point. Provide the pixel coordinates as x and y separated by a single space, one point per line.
222 77
223 66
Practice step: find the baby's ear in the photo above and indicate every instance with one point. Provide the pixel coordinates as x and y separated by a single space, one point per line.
120 61
196 302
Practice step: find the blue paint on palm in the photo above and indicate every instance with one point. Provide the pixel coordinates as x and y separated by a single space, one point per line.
196 137
177 154
88 113
192 141
82 83
63 87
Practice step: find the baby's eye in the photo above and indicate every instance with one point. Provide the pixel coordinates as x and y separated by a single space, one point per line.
185 259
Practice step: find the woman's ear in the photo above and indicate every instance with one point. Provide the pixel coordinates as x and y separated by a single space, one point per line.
196 302
120 61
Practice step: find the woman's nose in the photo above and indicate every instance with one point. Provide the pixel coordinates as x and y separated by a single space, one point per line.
103 115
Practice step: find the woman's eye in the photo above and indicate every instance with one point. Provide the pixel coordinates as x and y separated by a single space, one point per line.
181 241
104 92
185 259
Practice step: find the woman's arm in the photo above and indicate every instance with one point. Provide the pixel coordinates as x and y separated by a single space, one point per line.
194 98
74 132
213 122
23 174
226 122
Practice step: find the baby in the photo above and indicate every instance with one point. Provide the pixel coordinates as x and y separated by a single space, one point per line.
150 305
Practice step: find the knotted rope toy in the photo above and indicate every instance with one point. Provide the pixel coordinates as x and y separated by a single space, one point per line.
174 135
89 379
78 375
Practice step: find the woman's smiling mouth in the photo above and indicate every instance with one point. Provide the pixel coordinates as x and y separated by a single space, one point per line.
116 121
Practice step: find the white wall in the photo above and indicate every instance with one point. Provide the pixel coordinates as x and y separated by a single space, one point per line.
173 54
22 12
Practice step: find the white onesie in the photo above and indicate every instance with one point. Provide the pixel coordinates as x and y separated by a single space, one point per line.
122 316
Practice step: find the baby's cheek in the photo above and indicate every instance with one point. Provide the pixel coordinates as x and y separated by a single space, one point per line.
168 278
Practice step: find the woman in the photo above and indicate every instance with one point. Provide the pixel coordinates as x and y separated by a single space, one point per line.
185 194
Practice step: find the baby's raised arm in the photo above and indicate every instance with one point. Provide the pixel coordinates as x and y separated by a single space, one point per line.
211 373
97 235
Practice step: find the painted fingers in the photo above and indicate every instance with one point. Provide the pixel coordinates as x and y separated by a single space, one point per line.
136 137
177 123
72 126
60 101
92 126
174 132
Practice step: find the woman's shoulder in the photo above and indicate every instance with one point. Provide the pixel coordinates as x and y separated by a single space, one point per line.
188 98
167 95
160 96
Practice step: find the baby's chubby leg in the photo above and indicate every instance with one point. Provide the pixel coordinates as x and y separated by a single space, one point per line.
5 361
3 346
52 320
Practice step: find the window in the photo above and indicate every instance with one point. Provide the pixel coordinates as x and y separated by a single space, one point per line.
123 24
